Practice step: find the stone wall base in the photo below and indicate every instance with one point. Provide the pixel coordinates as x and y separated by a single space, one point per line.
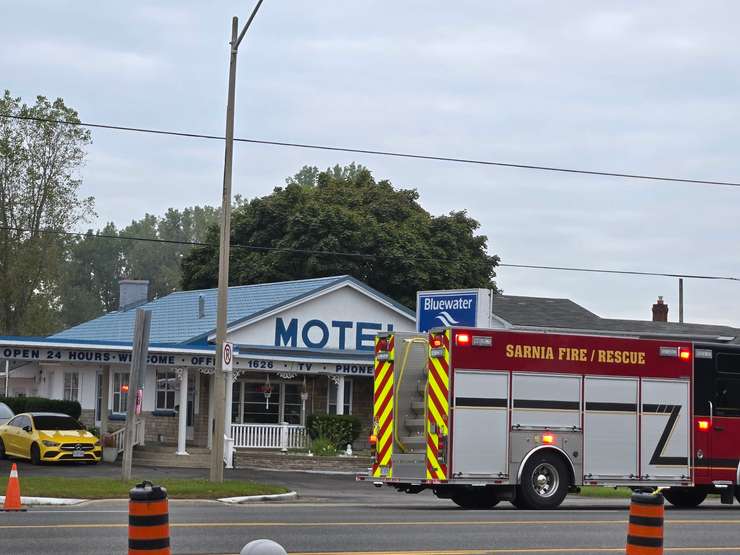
276 460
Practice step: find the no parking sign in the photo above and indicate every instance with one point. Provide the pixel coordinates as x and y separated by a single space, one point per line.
227 356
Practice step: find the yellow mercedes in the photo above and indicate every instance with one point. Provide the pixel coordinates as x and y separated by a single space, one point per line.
48 437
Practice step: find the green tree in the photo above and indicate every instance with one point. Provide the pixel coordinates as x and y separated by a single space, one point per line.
403 247
39 190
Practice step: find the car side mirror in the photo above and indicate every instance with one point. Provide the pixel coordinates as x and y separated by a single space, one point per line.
27 429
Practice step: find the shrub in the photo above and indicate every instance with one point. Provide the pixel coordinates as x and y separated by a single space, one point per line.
322 447
338 429
41 404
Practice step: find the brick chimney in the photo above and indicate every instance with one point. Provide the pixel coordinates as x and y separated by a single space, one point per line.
660 311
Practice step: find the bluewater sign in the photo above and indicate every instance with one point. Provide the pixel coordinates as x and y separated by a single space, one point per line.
468 307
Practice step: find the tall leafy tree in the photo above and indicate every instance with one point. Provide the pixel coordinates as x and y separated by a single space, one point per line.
39 190
402 247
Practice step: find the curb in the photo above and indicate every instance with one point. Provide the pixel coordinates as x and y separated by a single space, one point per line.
30 501
251 498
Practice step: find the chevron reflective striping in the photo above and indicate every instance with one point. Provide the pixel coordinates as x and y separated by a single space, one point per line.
437 409
383 411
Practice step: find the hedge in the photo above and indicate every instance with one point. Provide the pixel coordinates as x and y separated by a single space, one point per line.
338 429
41 404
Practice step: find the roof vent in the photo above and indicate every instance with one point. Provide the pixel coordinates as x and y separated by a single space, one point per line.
201 306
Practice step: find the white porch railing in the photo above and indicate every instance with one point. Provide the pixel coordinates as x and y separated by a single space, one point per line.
269 436
120 435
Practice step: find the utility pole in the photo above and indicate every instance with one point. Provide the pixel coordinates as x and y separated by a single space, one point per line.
220 381
138 364
680 300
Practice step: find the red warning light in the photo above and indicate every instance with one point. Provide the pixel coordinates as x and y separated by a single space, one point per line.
683 354
462 339
436 342
703 425
548 438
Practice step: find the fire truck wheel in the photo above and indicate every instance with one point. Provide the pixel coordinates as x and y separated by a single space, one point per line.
685 497
481 498
544 482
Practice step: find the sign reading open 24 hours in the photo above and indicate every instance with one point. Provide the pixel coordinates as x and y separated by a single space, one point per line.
446 308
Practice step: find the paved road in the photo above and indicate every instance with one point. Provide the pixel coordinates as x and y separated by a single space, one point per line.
336 515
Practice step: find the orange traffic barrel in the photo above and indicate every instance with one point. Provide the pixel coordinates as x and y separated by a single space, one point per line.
645 532
148 520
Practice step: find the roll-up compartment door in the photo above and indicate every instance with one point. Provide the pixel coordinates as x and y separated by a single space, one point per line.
665 429
546 401
610 428
480 423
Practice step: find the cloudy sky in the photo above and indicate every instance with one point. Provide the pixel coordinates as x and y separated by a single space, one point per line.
631 87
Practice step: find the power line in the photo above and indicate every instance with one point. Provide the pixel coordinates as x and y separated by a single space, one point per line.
384 153
365 255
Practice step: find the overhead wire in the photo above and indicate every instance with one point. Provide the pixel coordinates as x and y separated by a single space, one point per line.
315 252
395 154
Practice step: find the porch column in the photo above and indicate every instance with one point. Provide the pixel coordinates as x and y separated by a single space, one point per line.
211 382
340 395
229 399
182 430
104 400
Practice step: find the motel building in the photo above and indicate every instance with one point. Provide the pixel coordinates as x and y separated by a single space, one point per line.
300 348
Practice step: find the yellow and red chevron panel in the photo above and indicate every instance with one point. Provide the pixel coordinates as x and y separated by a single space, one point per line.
383 407
437 407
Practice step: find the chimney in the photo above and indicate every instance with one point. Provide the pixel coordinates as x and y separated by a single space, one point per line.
660 311
201 306
132 292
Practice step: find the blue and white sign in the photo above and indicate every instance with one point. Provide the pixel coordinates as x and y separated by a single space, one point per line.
468 307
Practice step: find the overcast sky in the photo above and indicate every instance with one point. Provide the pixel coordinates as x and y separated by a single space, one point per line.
630 87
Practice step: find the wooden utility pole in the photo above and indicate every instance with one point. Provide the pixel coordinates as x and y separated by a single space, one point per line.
220 381
138 364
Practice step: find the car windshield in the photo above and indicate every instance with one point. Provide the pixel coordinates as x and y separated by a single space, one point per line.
56 423
5 411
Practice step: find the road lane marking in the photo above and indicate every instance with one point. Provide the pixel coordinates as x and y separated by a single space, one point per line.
367 524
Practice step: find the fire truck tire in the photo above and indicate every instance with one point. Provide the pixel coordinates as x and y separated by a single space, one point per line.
544 483
685 497
479 498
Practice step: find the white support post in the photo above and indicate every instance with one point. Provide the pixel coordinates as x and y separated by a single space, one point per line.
340 395
229 399
211 396
182 430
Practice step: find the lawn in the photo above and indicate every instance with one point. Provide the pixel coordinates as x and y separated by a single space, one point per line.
110 488
595 491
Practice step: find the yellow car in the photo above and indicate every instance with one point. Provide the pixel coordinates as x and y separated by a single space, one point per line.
48 437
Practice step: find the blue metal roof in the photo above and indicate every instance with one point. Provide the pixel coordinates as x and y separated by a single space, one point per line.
175 317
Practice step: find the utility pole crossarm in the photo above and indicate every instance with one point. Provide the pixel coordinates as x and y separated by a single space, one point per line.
246 26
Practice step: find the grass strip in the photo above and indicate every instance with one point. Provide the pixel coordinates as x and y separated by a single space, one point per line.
605 492
110 488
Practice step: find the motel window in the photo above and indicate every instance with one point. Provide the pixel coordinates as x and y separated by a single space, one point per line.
255 406
332 397
98 396
120 392
292 403
166 386
71 386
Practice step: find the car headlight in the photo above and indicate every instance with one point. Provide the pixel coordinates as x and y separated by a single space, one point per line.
49 443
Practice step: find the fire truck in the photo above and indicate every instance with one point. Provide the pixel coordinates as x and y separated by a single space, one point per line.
481 416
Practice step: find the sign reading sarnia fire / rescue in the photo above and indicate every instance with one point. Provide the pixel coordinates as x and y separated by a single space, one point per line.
574 354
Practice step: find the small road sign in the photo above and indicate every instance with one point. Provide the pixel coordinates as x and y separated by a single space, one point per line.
227 356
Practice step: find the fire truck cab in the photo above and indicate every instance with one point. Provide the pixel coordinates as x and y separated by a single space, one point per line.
480 416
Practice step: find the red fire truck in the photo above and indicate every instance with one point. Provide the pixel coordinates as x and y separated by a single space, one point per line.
480 416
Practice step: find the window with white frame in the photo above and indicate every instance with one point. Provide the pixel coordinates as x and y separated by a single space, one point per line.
71 386
332 397
120 392
166 387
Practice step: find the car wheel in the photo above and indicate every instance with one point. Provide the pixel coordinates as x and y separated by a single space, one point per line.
2 450
685 497
544 482
478 498
35 454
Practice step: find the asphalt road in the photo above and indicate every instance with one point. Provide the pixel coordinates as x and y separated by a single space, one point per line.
334 514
